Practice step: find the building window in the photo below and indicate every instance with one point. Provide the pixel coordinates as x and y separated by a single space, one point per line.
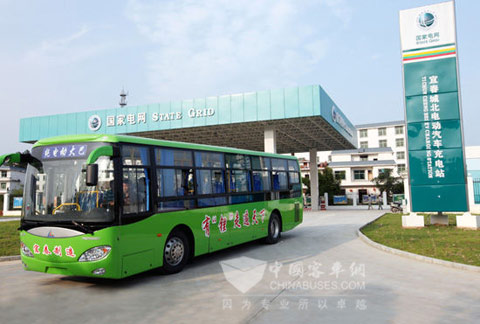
382 143
363 144
382 131
401 168
382 171
398 130
359 174
400 155
340 175
3 185
363 157
4 174
399 142
363 132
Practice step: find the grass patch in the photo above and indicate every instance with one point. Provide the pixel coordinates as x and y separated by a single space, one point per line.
9 238
442 242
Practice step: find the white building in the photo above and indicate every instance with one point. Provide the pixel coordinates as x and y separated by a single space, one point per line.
357 168
386 134
380 146
11 178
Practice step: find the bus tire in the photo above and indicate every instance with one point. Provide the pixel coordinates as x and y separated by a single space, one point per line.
176 252
274 229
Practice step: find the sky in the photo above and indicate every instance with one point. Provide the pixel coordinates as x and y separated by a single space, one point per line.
65 56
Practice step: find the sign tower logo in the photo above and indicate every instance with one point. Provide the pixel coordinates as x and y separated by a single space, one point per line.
426 19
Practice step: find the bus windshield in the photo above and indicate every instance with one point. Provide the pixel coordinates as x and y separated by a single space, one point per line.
56 191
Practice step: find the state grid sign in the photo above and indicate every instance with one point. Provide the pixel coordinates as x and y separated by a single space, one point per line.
432 108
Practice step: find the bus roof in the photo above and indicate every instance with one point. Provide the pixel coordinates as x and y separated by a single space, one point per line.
148 141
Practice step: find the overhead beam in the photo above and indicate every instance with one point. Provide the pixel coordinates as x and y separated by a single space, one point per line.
292 135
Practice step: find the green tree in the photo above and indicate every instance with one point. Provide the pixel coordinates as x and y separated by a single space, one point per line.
15 193
386 182
328 183
306 182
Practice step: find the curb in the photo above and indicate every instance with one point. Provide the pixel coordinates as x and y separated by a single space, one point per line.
9 219
413 256
9 258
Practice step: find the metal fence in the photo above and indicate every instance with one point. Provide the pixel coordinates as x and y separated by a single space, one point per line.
476 190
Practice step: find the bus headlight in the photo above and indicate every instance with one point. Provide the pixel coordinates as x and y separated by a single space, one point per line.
25 250
95 253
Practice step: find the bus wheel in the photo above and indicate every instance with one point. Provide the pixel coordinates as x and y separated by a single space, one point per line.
175 253
273 229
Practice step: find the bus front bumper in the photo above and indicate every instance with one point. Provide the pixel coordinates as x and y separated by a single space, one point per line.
98 269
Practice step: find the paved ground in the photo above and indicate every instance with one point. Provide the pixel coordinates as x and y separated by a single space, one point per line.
390 289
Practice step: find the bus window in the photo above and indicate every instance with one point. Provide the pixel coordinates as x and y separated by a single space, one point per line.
295 186
184 181
294 177
204 182
135 155
212 201
238 178
279 164
239 199
293 165
209 160
210 182
166 183
177 204
261 181
238 181
175 158
260 163
237 161
218 181
279 180
56 190
175 182
135 190
107 196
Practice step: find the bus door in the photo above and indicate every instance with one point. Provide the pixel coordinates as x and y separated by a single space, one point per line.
211 187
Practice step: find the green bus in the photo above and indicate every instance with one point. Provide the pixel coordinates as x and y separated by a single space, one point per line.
112 206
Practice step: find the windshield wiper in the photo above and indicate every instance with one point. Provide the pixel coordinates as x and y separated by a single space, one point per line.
81 226
24 226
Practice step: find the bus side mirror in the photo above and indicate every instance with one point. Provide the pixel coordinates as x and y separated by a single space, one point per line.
92 174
